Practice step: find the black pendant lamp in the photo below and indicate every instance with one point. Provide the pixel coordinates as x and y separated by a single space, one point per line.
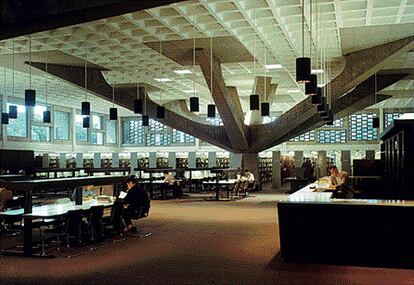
311 87
12 112
317 99
4 118
211 111
194 104
303 64
47 117
86 108
329 120
265 109
138 103
145 120
30 94
375 122
160 112
254 102
113 112
86 122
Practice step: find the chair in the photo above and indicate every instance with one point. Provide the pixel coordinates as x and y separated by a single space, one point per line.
95 221
140 213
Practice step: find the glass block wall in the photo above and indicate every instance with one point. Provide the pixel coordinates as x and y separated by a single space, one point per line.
360 127
336 124
133 131
155 126
331 136
389 117
157 139
215 121
179 137
306 137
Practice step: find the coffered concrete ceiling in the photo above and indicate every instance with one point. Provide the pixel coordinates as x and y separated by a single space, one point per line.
127 46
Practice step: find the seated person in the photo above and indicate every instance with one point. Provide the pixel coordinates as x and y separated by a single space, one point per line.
168 177
87 193
5 195
135 199
334 176
247 176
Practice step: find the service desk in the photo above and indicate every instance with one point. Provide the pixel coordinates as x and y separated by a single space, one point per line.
314 227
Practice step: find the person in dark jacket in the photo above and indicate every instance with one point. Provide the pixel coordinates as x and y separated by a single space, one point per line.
136 202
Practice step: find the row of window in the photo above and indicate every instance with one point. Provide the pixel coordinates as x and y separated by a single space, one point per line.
102 130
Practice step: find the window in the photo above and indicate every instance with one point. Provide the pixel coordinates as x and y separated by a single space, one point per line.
111 131
38 113
179 137
339 123
133 131
61 125
390 117
40 133
18 127
331 136
97 122
215 121
81 132
97 138
155 126
360 127
306 137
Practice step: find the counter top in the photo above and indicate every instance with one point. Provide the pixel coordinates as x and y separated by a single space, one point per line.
314 194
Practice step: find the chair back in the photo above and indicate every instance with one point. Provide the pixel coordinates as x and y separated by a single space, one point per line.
73 220
96 214
235 186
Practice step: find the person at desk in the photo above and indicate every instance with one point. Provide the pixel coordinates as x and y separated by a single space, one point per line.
170 183
5 195
168 177
340 181
135 199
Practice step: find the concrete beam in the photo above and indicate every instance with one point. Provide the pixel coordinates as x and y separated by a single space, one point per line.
304 117
18 18
97 85
226 99
362 64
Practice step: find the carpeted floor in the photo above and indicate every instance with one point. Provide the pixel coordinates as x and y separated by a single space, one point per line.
195 242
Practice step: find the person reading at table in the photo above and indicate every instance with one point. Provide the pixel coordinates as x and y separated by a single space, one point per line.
340 181
5 195
135 200
168 177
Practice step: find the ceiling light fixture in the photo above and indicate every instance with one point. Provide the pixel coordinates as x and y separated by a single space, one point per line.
30 94
145 117
160 109
46 114
113 112
317 71
303 64
254 98
138 103
273 66
265 106
4 116
86 106
13 108
194 101
183 71
211 108
311 86
163 79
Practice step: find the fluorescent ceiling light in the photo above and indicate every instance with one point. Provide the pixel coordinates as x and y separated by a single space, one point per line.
273 66
162 79
293 91
183 71
188 91
317 71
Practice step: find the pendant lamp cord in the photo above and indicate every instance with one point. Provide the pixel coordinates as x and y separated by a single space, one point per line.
86 78
194 53
30 61
211 68
303 28
13 68
46 69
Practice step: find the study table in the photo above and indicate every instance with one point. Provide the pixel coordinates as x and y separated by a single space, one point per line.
220 185
316 227
28 186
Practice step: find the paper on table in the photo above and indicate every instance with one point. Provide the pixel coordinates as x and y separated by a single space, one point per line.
122 195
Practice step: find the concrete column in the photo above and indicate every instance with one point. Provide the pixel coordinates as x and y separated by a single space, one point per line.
79 159
192 159
152 160
115 159
370 154
346 161
134 162
172 159
382 123
62 160
322 163
97 163
276 172
298 158
212 159
235 160
45 160
251 162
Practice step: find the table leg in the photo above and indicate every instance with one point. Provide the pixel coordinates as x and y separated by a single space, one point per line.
27 236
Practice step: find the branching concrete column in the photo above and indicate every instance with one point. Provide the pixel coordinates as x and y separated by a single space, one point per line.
346 161
322 163
250 161
276 173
